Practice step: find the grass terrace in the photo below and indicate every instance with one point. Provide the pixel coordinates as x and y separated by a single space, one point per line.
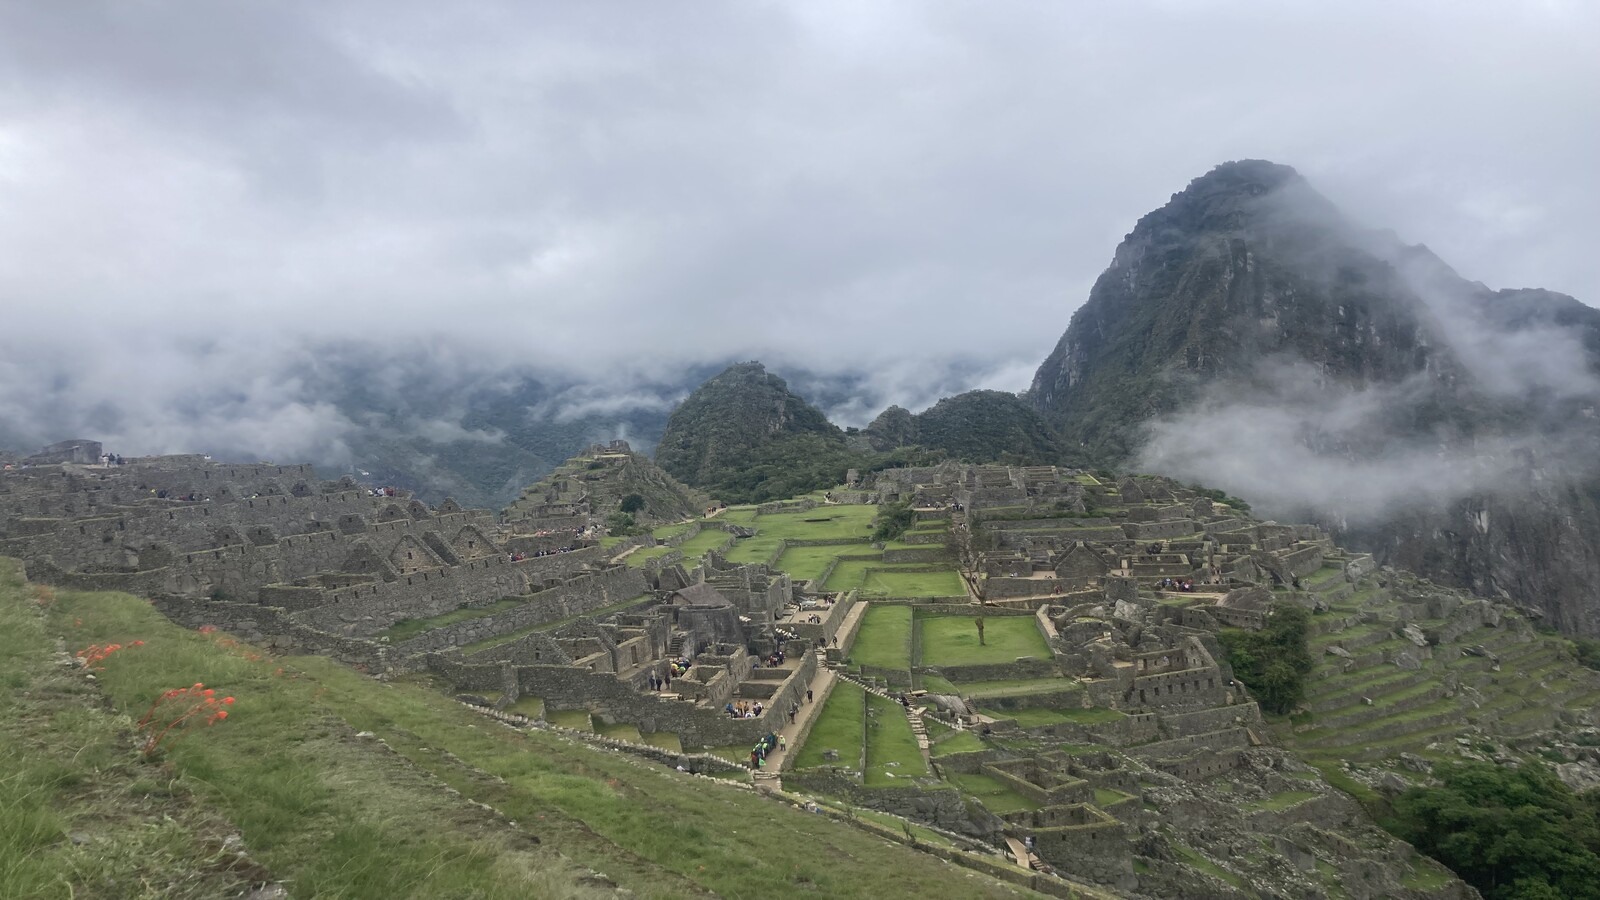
405 629
508 637
994 794
838 727
953 640
884 637
892 754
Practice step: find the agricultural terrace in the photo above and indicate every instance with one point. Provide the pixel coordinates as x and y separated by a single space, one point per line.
829 545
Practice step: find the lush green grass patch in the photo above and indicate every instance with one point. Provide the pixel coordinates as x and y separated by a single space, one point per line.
838 727
953 640
993 793
884 637
892 754
339 815
889 583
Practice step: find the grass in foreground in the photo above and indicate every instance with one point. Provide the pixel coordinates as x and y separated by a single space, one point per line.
336 814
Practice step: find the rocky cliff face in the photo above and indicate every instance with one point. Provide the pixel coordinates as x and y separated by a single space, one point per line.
1248 336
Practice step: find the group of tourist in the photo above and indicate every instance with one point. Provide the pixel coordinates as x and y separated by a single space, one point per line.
772 661
110 459
164 494
519 556
677 667
382 491
661 682
1175 584
758 753
744 709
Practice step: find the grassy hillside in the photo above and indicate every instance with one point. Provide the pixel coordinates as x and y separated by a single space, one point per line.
337 785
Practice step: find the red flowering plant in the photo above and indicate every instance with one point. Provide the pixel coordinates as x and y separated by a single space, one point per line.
94 654
177 711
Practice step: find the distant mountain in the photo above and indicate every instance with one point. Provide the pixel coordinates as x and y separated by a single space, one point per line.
977 426
744 437
1247 335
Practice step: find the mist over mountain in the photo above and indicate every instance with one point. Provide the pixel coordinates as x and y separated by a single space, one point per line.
1247 335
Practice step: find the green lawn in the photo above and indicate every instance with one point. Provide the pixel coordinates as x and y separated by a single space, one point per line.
884 637
953 640
405 629
823 523
577 719
338 815
1030 718
807 563
892 754
957 742
995 794
621 732
979 690
838 727
889 583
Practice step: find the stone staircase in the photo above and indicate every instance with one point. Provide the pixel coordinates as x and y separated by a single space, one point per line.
914 714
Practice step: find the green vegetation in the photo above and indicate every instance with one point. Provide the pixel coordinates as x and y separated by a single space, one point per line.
893 520
1274 661
884 637
892 753
1513 833
988 426
953 640
838 727
1588 652
1035 716
745 438
405 629
1220 497
331 813
890 582
994 794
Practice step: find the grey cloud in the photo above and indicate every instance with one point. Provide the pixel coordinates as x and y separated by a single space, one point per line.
909 197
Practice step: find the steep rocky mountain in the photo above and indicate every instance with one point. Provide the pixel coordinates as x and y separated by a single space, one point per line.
977 426
1249 336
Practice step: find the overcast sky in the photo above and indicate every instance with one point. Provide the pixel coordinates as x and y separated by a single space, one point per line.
189 192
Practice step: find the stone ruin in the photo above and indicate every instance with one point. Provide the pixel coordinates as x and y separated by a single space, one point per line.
380 580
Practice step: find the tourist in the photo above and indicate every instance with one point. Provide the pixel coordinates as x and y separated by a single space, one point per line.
808 695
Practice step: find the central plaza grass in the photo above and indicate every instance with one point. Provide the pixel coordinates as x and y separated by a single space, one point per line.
1008 688
884 637
871 575
398 813
953 640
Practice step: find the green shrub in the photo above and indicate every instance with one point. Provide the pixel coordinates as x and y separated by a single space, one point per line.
1274 661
